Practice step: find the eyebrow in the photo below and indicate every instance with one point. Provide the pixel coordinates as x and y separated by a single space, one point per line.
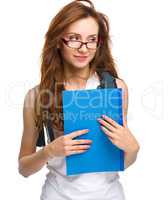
80 35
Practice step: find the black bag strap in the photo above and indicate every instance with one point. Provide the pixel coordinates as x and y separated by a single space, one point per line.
46 135
106 81
41 140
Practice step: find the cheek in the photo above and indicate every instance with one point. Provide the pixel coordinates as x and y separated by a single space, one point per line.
67 53
92 54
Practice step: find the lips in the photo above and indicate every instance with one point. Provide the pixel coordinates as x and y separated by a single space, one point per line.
81 58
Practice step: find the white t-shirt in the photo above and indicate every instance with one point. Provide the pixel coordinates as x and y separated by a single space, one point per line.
87 186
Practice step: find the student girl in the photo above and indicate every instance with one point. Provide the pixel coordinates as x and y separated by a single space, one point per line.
76 48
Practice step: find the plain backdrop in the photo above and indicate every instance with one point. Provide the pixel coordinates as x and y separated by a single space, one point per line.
139 46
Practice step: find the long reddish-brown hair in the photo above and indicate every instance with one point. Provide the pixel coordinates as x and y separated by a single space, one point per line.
48 104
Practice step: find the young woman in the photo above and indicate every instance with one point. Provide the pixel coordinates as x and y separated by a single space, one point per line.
75 49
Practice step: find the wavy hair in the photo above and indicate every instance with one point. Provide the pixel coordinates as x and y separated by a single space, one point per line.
48 104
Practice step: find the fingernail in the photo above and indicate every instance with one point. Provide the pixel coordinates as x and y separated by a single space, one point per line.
101 127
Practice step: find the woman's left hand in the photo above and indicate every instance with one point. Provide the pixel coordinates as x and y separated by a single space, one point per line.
119 135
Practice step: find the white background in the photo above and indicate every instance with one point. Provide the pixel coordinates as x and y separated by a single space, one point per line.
139 34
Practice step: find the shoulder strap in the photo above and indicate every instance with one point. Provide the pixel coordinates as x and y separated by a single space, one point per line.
46 135
41 139
106 80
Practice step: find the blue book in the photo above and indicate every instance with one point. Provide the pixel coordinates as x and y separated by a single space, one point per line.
81 108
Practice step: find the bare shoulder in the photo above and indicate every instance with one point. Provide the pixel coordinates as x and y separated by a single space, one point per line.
121 84
30 133
30 97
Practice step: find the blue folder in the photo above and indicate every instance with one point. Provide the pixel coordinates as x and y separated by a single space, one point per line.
81 108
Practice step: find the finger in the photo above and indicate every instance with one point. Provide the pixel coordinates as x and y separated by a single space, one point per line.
111 121
112 140
75 152
75 142
77 133
106 124
116 143
77 147
109 133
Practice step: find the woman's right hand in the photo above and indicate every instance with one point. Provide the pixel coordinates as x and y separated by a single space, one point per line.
65 145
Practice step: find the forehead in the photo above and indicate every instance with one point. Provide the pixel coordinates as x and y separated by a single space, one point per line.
84 27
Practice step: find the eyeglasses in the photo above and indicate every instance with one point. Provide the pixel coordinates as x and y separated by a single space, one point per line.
78 44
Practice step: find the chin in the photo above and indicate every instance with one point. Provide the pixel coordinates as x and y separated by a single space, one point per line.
80 65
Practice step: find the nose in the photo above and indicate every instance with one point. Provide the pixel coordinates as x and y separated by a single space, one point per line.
83 48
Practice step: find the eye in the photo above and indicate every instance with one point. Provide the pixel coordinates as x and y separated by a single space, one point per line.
94 39
74 37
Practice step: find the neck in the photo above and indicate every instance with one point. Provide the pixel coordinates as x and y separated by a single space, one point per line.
77 76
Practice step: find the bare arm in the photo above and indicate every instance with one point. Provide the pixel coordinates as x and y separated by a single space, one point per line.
131 155
29 160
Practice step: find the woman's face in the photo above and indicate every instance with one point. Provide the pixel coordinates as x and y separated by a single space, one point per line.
85 30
